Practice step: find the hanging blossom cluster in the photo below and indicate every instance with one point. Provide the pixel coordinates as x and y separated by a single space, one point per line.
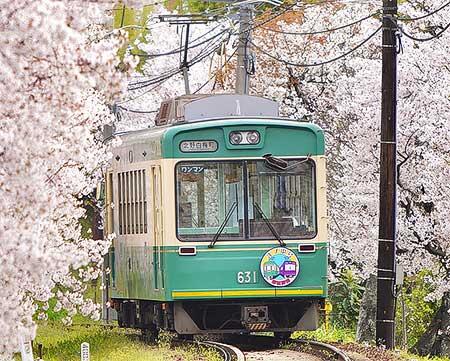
53 85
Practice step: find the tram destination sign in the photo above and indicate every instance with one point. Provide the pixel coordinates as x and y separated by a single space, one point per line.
193 146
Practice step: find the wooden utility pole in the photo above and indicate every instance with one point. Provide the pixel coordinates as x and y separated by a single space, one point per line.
385 324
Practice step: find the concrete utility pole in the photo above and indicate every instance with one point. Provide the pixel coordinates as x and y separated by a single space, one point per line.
242 74
385 324
185 65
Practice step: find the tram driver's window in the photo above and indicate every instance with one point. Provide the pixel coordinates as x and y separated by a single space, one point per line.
285 198
209 194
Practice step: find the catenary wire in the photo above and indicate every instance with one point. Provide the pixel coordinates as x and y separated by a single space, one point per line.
214 75
324 30
435 11
204 53
193 61
143 93
437 35
320 63
149 90
162 78
291 6
195 92
169 74
149 82
181 49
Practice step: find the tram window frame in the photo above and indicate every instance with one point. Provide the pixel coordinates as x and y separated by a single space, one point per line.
314 200
246 221
203 238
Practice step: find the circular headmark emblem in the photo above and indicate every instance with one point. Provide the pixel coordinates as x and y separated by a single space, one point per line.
279 267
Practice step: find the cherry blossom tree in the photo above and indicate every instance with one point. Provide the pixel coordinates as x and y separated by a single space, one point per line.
55 76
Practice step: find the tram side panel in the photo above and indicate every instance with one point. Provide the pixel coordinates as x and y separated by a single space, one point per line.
135 257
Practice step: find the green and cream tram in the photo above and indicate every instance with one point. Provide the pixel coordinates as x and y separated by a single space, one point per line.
220 221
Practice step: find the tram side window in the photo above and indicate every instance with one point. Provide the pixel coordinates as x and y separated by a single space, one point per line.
109 203
132 202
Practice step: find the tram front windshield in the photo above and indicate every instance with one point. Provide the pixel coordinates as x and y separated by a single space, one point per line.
244 199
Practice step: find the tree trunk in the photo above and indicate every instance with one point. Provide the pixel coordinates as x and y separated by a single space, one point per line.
365 330
436 340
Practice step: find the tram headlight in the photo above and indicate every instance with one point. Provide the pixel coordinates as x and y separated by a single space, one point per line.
246 137
253 137
236 138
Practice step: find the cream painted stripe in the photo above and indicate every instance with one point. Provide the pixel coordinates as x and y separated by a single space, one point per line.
299 292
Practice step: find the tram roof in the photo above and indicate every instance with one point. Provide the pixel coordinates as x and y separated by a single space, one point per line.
279 136
211 118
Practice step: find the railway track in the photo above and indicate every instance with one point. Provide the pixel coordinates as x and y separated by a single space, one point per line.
240 347
255 347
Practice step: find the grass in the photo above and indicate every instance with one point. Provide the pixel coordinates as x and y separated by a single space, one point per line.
61 343
331 334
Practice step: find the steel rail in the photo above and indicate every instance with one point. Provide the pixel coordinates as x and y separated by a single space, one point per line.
271 341
228 352
340 355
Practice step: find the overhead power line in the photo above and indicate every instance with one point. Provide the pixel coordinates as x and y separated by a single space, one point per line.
324 30
136 111
181 49
435 11
212 47
319 63
215 75
144 92
437 35
204 53
141 84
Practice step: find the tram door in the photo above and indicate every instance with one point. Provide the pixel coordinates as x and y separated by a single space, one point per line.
158 278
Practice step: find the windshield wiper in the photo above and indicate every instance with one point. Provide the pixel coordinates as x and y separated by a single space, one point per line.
275 162
280 164
269 224
222 226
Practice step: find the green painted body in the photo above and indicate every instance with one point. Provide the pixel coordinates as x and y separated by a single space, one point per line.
147 273
212 270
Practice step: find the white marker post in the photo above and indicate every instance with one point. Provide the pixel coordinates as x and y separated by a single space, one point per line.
85 355
26 351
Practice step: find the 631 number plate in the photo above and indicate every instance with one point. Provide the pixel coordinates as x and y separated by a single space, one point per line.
246 277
